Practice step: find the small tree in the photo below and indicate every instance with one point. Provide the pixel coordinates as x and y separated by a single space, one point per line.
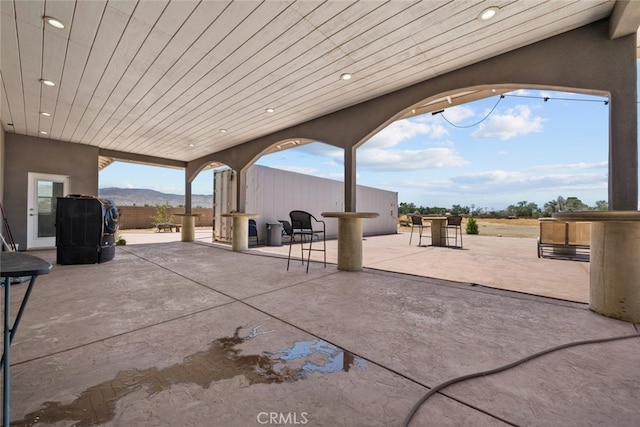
472 226
573 204
406 208
161 215
602 206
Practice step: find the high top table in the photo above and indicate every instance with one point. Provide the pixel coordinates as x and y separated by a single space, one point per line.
438 223
15 264
240 232
350 238
188 226
614 268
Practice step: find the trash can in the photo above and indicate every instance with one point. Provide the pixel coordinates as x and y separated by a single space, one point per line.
274 234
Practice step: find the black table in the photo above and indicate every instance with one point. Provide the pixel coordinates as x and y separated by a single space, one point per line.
15 264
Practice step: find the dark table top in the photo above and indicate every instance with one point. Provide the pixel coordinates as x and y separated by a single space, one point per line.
18 264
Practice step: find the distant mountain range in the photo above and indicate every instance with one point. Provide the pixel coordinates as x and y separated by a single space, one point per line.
144 197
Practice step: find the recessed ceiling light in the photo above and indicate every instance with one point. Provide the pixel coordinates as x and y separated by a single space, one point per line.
270 110
47 82
43 132
54 22
223 131
346 76
192 145
488 13
45 114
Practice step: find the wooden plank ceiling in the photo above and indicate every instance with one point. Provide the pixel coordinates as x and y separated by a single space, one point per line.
183 79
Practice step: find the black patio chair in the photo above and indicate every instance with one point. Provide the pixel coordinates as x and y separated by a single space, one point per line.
287 229
416 222
454 222
306 226
253 231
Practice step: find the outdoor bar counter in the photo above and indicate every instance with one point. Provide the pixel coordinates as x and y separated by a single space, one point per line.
350 238
614 289
240 233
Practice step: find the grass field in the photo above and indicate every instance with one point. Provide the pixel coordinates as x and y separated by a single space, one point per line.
503 227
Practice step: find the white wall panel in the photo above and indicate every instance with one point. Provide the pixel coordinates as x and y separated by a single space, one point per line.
273 193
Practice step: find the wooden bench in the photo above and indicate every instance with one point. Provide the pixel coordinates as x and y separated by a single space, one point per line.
565 240
167 226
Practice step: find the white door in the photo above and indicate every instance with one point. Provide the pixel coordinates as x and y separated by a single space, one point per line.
44 189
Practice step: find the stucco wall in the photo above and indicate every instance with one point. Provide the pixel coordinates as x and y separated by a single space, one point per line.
140 216
24 154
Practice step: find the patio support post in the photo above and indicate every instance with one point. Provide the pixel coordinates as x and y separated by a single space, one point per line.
623 148
350 179
187 196
188 230
241 187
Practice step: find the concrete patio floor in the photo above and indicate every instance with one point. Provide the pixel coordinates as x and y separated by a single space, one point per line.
498 262
193 334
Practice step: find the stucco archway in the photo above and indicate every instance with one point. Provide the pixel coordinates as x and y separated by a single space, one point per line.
585 60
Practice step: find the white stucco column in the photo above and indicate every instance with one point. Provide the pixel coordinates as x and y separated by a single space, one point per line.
350 238
614 283
240 232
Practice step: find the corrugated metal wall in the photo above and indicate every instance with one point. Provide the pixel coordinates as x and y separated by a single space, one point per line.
224 201
273 193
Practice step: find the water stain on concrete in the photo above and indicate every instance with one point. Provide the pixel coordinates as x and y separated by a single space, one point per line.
222 360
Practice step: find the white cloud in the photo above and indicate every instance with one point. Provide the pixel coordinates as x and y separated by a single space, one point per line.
500 180
520 92
496 177
516 121
574 166
317 149
403 130
403 160
458 113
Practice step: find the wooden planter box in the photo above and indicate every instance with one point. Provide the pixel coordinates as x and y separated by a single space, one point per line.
566 240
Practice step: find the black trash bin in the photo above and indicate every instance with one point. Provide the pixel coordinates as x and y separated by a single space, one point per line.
85 229
274 234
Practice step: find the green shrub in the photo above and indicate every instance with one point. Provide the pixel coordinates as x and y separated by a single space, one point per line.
161 215
472 226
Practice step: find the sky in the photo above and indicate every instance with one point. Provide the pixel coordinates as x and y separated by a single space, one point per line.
487 154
